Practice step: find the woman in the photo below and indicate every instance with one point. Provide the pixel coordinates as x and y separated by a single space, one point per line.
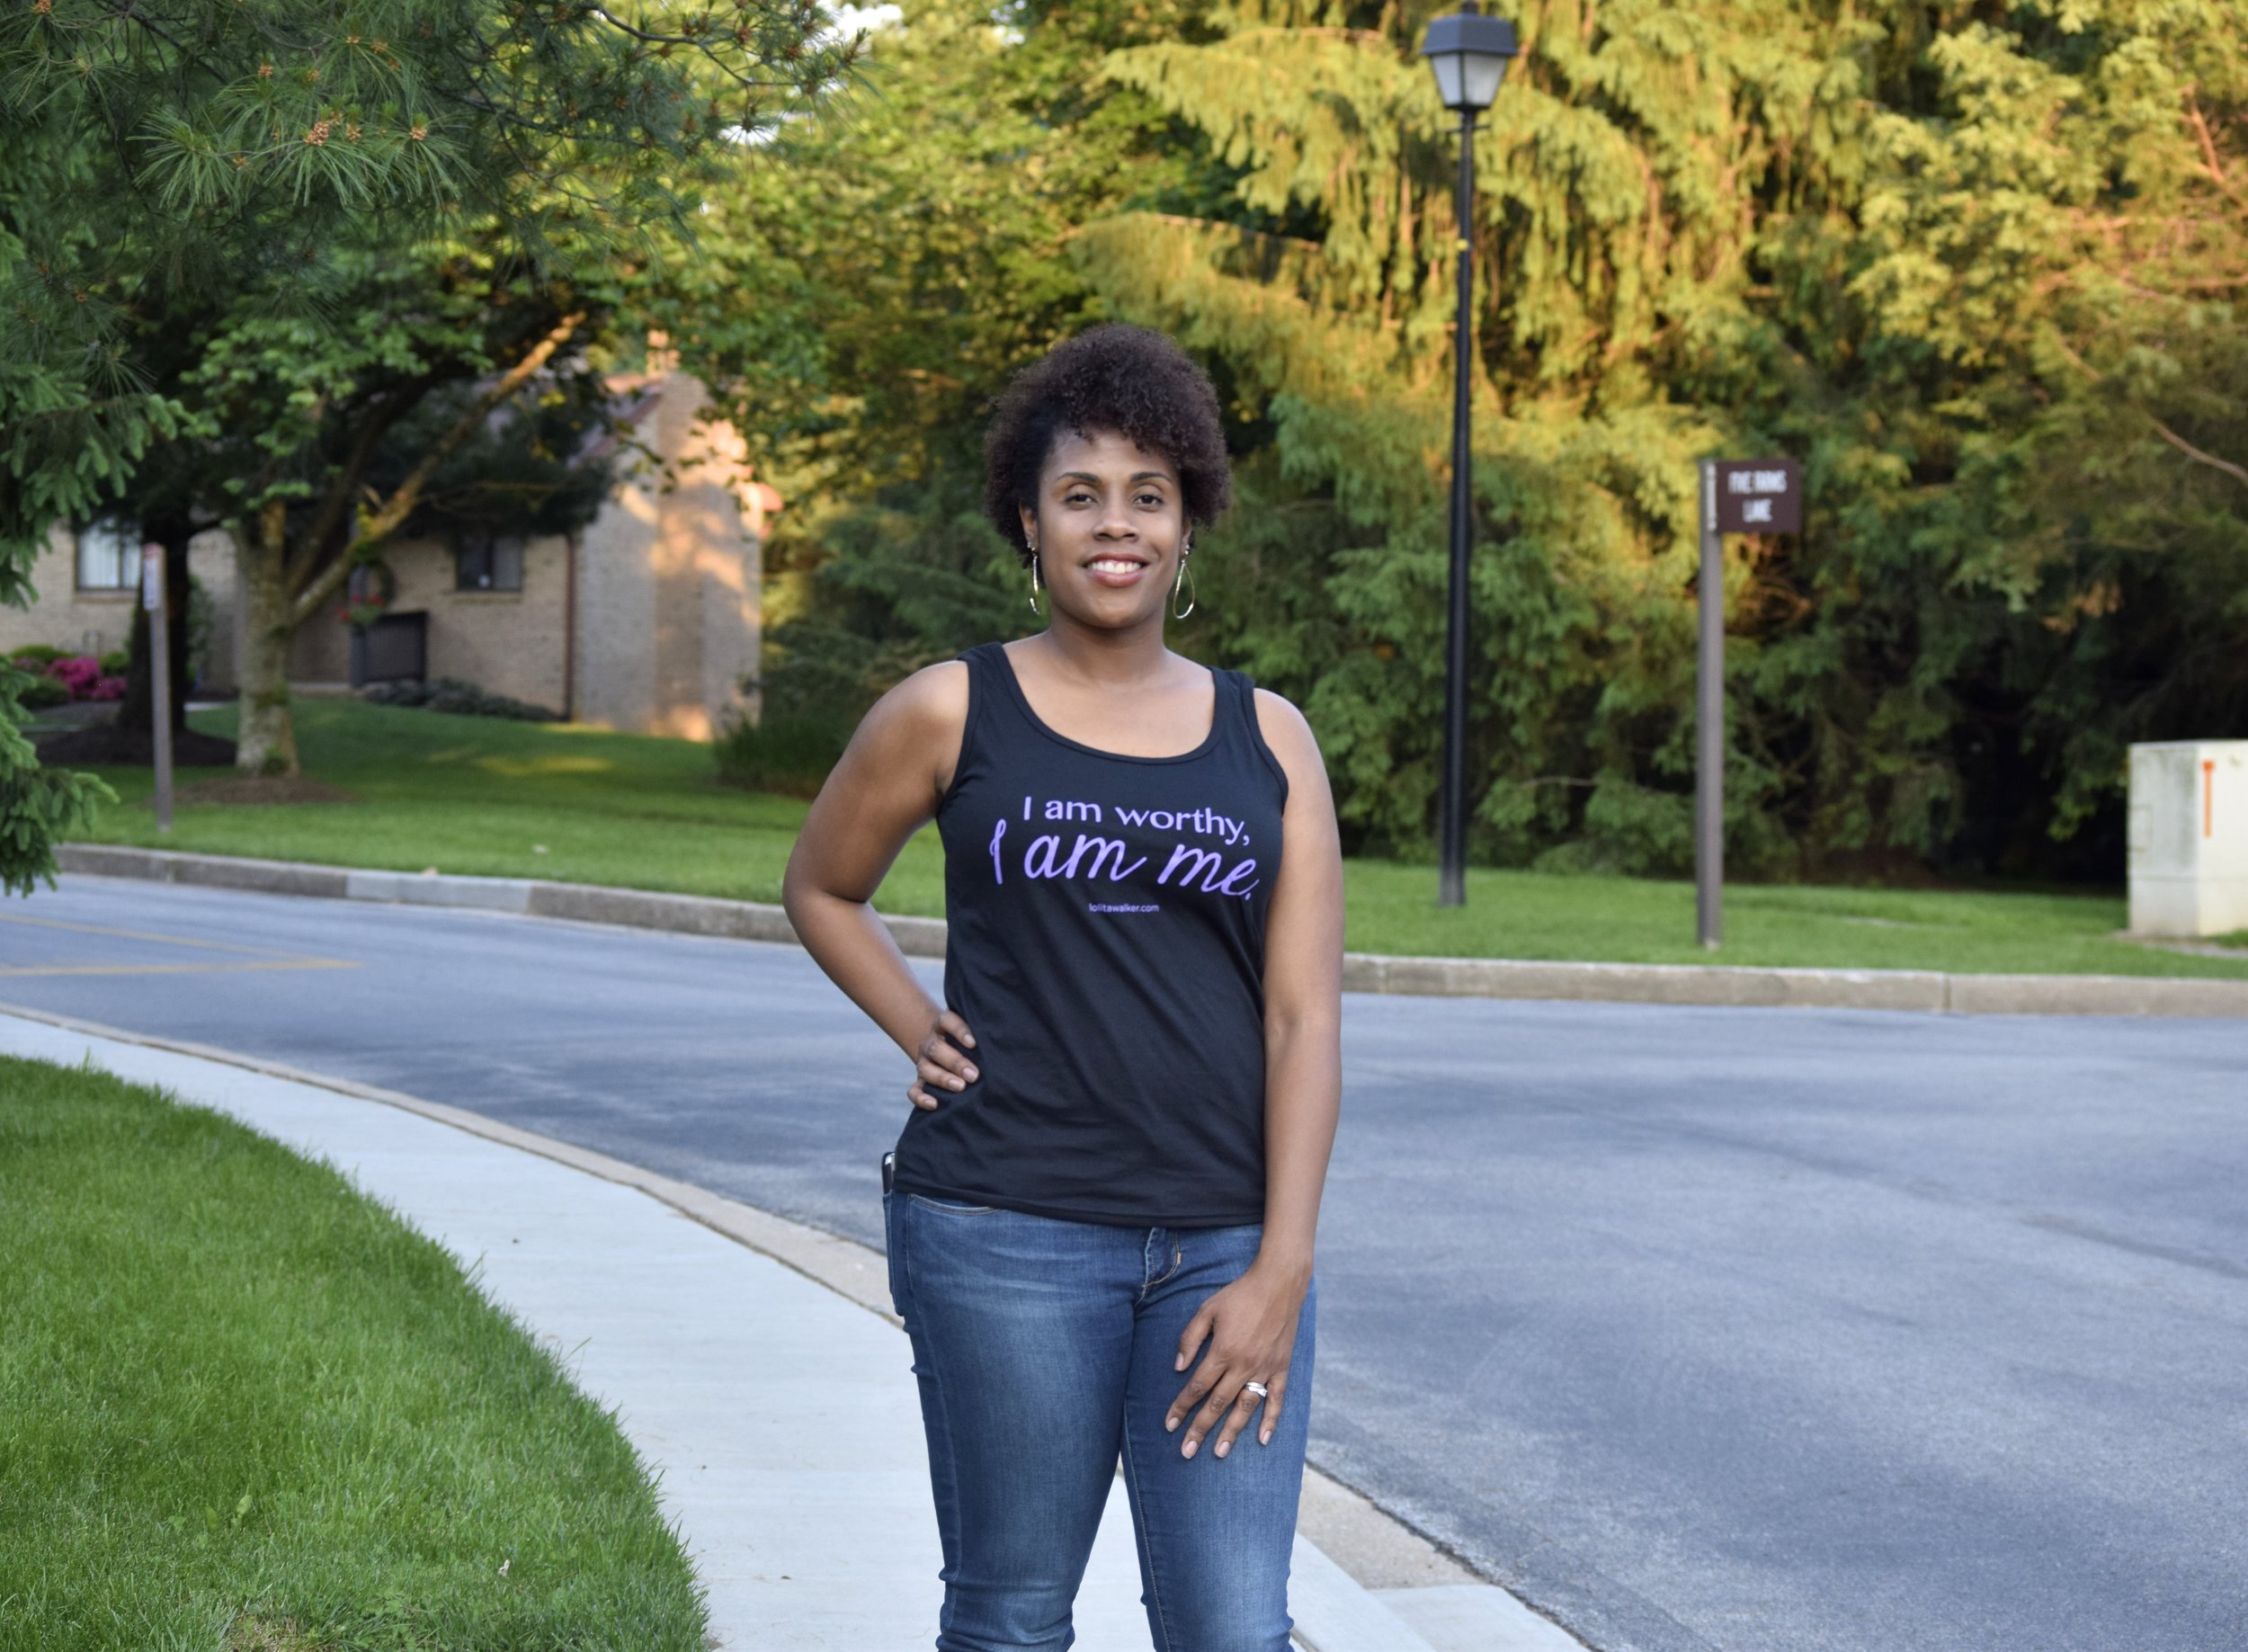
1101 1213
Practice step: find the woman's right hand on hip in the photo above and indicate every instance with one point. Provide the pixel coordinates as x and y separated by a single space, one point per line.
940 1066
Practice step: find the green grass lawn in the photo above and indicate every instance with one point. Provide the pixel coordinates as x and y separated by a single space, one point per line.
1630 920
483 795
244 1408
527 799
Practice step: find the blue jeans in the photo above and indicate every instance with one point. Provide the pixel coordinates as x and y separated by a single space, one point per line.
1043 1349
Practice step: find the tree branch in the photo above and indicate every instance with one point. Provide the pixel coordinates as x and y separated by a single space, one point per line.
2236 472
335 509
391 516
2211 163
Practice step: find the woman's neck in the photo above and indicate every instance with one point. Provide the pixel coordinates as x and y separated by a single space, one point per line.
1104 658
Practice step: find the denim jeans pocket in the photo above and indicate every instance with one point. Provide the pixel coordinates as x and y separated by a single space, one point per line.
946 1206
893 1254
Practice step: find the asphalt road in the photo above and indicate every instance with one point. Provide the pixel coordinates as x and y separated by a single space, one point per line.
1768 1331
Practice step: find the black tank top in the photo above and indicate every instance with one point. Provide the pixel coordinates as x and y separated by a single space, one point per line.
1106 947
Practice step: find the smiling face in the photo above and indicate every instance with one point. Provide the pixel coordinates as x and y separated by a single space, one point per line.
1109 523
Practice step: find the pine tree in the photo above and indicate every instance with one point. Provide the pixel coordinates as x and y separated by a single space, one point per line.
1873 238
1979 268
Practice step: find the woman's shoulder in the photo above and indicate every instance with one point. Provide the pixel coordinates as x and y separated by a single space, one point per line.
1293 747
1284 727
931 701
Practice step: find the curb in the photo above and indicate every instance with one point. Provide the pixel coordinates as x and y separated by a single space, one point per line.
584 903
1920 991
1334 1612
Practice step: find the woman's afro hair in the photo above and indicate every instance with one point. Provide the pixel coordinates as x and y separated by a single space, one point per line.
1133 381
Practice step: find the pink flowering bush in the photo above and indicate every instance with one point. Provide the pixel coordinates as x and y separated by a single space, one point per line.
78 672
77 676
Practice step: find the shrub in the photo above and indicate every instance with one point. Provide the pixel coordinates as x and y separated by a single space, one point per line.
787 754
77 672
460 698
82 675
37 692
65 676
117 662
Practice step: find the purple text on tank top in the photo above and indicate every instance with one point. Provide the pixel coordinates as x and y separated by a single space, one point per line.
1095 854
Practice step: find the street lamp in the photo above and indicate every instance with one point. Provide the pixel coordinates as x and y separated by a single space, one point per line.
1468 52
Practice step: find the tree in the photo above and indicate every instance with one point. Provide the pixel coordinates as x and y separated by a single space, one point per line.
293 423
1970 265
911 252
1873 238
2065 241
172 168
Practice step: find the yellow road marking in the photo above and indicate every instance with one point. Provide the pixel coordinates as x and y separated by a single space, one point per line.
263 958
288 963
140 934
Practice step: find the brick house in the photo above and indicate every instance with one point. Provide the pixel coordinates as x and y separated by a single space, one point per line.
647 620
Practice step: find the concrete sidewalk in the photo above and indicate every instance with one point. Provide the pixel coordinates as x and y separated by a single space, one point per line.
777 1411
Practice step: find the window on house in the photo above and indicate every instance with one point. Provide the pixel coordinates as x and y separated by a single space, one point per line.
491 564
109 556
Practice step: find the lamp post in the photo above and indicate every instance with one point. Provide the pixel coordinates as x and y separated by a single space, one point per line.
1469 53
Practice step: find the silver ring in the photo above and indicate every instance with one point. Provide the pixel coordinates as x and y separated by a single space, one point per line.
1257 1388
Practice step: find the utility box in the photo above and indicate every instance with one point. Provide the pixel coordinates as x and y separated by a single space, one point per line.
2189 837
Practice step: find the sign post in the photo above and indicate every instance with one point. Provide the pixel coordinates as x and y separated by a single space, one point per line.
152 599
1738 495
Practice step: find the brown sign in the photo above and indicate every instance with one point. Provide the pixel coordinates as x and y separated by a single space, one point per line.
1760 495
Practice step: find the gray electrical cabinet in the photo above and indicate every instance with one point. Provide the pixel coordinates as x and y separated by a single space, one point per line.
2189 837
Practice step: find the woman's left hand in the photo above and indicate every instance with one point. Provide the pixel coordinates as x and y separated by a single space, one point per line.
1251 1328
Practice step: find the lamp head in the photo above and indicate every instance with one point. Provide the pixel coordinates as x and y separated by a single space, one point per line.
1469 53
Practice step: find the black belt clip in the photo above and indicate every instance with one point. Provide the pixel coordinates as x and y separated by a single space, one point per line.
889 1170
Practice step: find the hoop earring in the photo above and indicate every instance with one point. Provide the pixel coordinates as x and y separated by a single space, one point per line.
1034 582
1188 580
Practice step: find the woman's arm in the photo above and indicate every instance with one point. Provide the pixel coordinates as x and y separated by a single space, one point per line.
884 790
1251 1324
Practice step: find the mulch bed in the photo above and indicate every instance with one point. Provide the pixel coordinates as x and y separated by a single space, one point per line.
262 789
106 743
